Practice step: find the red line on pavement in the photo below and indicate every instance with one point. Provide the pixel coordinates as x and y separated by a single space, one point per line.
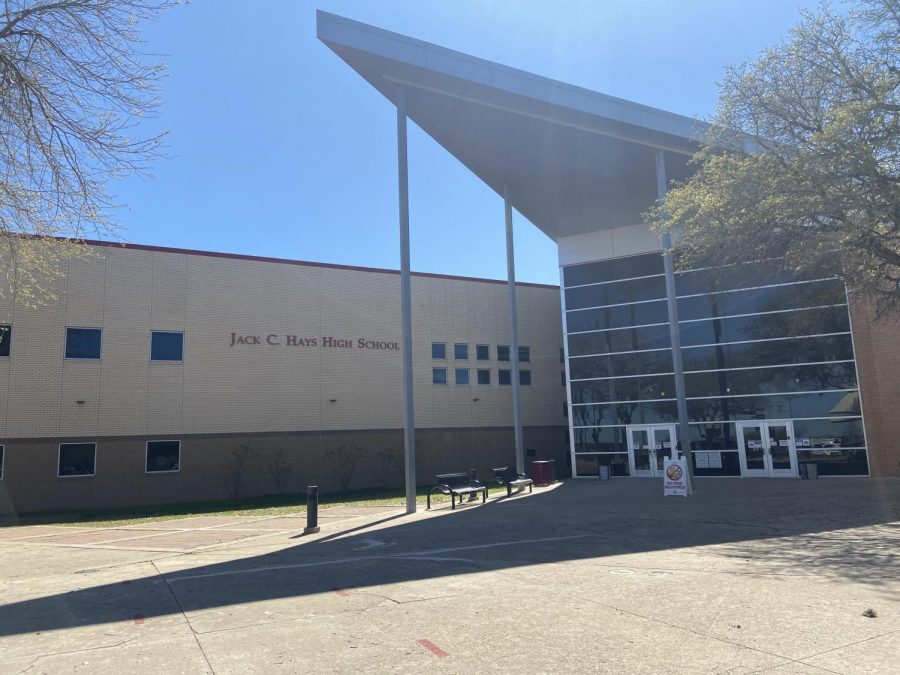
341 592
138 619
433 648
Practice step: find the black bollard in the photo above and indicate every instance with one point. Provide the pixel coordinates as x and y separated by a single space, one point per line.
312 509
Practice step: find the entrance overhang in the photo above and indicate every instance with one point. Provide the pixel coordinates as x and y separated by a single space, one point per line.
574 160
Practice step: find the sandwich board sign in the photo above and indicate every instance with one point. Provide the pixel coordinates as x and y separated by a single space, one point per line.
675 478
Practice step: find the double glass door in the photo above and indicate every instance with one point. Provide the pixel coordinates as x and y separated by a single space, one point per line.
767 449
648 446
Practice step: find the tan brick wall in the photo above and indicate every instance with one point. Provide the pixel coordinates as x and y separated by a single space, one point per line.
277 395
877 343
254 388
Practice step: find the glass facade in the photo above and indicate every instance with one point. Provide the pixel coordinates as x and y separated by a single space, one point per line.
757 344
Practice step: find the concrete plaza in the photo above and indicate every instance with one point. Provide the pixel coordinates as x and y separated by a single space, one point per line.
746 576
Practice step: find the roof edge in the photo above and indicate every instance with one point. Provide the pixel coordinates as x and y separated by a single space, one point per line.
301 263
336 29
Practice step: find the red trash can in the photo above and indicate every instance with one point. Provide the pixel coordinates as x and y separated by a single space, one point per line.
540 472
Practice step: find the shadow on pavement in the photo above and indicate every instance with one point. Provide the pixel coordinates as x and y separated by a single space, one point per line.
845 529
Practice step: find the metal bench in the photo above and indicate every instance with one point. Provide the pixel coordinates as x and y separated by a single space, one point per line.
508 476
456 485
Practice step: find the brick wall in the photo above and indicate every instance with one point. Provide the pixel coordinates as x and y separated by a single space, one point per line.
877 343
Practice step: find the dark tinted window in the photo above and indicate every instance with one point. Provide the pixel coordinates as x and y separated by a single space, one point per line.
835 461
524 354
771 380
82 343
828 434
626 340
608 439
613 269
438 376
716 463
5 339
738 276
616 293
589 465
438 350
166 346
163 456
484 376
504 377
623 413
1 462
461 352
482 352
639 363
623 389
525 377
462 376
773 352
713 437
617 317
762 300
828 404
503 352
77 459
765 326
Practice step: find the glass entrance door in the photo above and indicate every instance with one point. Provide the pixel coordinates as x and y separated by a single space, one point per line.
767 449
648 446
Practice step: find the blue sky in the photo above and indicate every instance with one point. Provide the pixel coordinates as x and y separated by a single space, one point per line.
277 148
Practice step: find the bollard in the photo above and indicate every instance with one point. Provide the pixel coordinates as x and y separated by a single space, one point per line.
312 509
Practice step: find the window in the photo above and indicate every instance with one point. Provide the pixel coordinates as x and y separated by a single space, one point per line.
163 456
77 459
462 376
504 377
483 352
166 346
524 354
438 350
525 377
83 343
461 352
484 376
503 352
5 339
438 376
629 267
2 456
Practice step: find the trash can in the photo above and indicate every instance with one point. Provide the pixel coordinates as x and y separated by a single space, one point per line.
540 472
603 472
809 471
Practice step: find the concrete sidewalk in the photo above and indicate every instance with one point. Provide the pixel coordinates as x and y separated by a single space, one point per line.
746 576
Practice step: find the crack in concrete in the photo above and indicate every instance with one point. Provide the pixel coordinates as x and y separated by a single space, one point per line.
186 619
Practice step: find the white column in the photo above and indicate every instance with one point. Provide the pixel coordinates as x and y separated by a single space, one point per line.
513 333
674 333
409 421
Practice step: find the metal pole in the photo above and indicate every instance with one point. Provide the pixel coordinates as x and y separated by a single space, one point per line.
312 509
409 422
674 334
513 332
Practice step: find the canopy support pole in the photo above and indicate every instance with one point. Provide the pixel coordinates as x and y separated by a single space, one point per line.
513 333
409 421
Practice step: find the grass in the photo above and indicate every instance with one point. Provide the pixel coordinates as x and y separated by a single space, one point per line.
273 505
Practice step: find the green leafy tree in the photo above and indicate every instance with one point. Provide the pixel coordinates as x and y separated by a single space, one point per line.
73 85
802 161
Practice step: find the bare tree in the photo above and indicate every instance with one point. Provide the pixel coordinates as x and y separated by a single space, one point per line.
73 87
